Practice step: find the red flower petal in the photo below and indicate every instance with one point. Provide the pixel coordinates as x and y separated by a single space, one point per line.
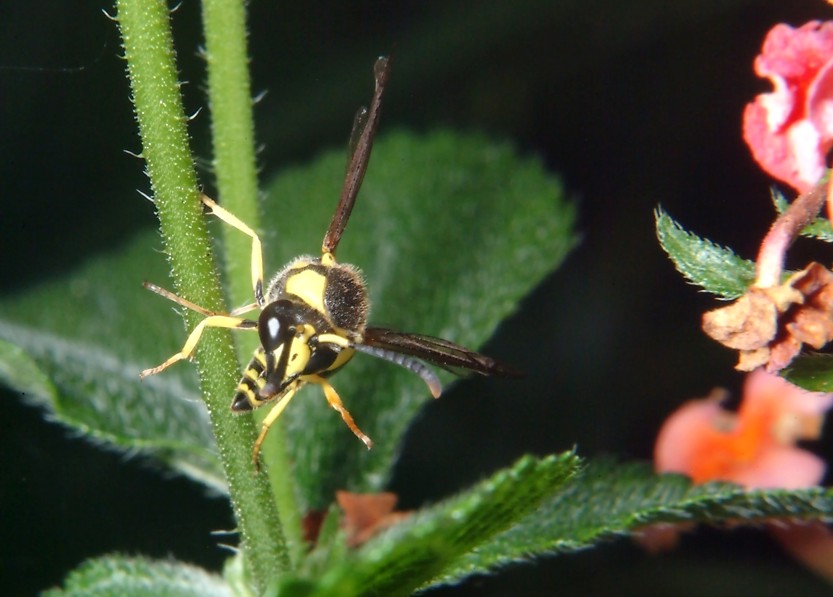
790 130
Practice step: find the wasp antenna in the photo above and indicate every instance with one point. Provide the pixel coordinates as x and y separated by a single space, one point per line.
178 299
361 144
411 364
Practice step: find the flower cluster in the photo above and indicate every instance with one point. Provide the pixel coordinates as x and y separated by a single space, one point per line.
790 133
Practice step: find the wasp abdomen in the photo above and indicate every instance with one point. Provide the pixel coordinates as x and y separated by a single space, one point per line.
248 394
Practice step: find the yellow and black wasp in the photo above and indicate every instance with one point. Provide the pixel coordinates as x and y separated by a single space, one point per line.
313 314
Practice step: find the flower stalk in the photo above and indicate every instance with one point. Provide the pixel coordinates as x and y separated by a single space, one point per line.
802 211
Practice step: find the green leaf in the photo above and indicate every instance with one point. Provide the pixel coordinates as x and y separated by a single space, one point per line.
716 269
414 551
611 500
19 370
538 508
75 346
119 576
813 372
451 232
819 228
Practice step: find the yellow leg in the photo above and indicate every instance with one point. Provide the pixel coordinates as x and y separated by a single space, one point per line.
335 401
257 248
273 415
212 321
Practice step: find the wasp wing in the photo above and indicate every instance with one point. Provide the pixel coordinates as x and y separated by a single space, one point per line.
436 351
361 142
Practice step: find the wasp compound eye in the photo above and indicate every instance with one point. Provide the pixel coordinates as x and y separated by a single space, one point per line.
274 326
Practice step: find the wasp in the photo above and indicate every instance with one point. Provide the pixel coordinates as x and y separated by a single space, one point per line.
314 312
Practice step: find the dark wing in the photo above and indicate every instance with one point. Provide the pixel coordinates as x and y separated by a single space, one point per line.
452 357
361 142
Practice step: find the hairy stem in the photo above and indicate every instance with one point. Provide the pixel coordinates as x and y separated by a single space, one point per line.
148 48
784 231
232 125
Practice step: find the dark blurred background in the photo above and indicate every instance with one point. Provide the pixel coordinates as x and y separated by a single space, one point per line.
632 103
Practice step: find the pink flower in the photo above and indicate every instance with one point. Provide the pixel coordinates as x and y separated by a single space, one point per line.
754 447
790 130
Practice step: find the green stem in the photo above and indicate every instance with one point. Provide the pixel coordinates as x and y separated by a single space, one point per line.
232 128
229 92
148 47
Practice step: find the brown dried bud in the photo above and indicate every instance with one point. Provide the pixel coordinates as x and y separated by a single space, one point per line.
770 325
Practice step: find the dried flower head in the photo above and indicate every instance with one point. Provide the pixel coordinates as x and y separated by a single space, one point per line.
769 326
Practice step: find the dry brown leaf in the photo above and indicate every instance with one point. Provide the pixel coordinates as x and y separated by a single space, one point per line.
365 514
311 525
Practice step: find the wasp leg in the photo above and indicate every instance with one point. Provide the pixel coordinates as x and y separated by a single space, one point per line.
335 401
212 321
273 415
257 248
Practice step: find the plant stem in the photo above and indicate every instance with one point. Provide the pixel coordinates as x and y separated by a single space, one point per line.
148 47
232 128
229 92
802 211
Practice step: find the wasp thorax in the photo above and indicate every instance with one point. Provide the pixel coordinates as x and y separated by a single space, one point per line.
345 297
336 291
